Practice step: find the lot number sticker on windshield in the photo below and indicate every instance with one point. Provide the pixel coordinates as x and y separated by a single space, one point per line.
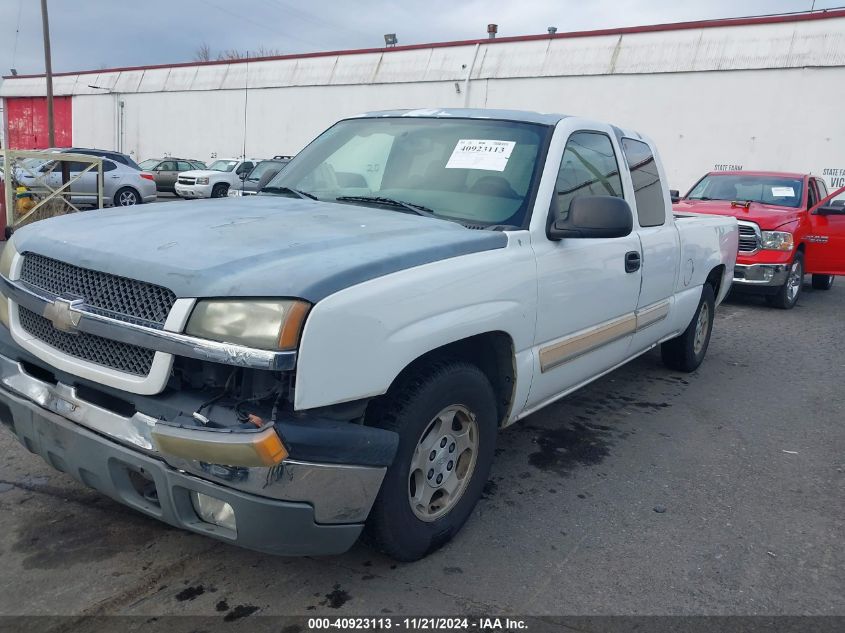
481 154
783 192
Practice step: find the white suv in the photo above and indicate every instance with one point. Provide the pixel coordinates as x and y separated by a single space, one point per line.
216 181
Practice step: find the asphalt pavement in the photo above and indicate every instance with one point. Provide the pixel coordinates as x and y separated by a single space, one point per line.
648 492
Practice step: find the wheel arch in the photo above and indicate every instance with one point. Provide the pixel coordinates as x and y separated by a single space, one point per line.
492 352
717 278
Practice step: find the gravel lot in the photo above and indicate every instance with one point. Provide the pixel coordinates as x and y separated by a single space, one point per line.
648 492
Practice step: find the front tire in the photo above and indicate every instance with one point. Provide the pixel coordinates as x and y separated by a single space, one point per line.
823 282
220 190
126 197
787 295
685 352
446 418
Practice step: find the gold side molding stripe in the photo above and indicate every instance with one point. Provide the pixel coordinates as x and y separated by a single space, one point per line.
589 339
652 314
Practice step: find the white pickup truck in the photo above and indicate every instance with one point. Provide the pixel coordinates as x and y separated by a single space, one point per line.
339 351
222 175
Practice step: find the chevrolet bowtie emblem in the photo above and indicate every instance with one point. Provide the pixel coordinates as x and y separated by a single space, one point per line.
61 314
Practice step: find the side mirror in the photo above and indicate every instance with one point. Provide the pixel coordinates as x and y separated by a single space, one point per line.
831 209
593 216
675 195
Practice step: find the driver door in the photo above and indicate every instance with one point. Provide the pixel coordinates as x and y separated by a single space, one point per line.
825 241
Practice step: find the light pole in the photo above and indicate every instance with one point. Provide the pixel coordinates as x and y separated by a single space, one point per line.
48 67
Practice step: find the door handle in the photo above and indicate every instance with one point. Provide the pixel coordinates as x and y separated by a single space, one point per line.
632 261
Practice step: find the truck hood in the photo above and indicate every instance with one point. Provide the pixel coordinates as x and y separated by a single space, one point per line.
259 246
767 216
203 172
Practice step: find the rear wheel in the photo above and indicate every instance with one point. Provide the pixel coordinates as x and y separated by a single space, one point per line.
445 415
126 197
823 282
686 352
787 295
220 190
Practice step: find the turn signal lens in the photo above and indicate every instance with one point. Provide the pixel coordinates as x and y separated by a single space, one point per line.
262 448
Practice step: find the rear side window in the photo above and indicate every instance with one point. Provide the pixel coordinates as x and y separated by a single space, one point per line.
588 168
182 166
648 190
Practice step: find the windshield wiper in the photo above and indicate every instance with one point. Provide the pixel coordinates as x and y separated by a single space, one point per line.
301 194
414 208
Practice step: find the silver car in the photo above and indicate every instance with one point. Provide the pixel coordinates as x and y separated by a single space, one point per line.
122 185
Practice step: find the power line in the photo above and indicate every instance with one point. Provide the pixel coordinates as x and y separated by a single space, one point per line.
318 21
257 23
17 33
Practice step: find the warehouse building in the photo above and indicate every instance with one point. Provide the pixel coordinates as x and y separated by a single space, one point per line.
753 93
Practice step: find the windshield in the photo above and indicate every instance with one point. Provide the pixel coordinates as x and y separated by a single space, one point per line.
223 165
149 163
775 190
263 167
476 171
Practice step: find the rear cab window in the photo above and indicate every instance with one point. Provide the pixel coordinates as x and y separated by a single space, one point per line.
648 188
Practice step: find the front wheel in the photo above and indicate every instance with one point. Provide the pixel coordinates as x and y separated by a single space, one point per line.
220 190
446 419
823 282
787 295
685 352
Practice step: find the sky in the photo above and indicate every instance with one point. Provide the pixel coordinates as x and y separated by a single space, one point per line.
94 34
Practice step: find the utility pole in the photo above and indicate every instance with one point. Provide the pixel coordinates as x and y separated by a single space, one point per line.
48 67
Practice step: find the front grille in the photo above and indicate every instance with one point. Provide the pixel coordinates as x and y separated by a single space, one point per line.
748 240
103 293
185 180
123 357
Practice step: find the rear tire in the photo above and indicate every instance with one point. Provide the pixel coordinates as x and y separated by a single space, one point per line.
823 282
126 197
685 352
787 295
446 418
220 190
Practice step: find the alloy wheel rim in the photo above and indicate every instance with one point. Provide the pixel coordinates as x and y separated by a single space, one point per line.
443 463
701 326
127 199
794 282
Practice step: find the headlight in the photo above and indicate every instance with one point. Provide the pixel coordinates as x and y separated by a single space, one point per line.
6 259
261 323
777 240
202 181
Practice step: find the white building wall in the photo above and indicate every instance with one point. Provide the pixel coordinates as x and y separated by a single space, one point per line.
759 96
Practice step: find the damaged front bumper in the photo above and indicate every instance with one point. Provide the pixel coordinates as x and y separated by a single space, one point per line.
313 502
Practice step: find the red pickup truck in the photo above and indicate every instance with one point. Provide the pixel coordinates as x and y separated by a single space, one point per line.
787 228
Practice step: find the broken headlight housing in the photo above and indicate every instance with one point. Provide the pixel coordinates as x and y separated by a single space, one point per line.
6 260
